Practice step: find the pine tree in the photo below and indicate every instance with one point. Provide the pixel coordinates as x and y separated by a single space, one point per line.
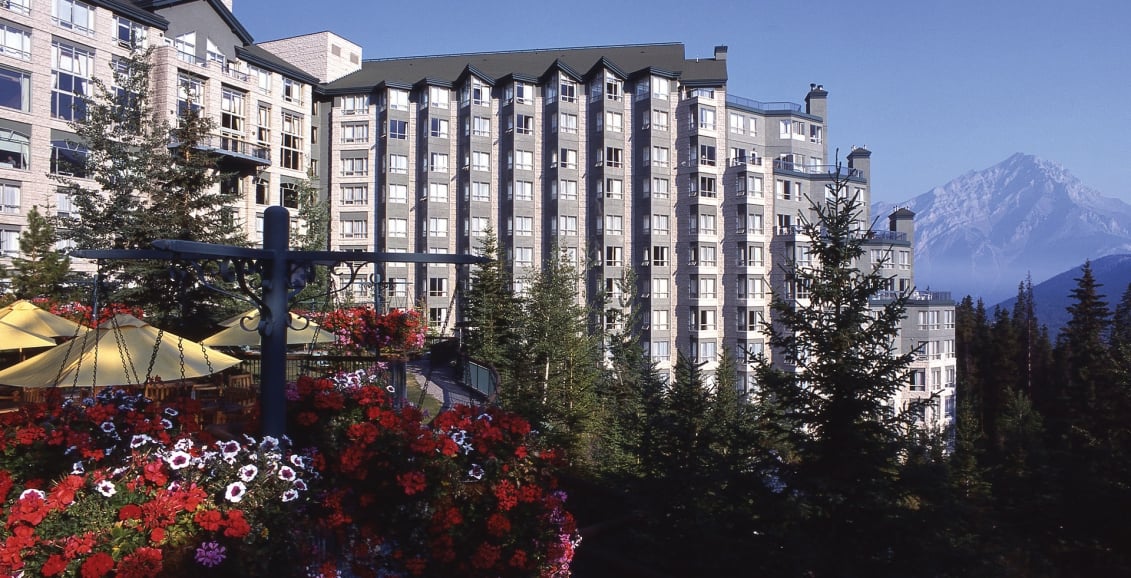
40 270
847 440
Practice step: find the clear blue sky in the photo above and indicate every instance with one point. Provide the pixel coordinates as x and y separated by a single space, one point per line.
934 88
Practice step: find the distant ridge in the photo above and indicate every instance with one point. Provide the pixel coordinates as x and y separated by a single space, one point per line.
1052 297
983 232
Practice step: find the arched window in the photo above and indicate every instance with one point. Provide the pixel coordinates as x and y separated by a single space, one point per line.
290 195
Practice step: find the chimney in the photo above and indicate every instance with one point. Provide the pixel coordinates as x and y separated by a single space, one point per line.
720 52
815 101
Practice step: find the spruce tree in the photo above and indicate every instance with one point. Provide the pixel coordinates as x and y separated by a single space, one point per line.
40 270
847 439
154 181
491 312
555 368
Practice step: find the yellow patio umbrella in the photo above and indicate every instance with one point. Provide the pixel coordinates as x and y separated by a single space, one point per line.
118 353
30 317
12 337
235 334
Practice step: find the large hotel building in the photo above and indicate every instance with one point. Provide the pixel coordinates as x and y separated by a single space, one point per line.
628 158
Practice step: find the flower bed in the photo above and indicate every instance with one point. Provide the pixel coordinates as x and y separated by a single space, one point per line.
363 329
119 485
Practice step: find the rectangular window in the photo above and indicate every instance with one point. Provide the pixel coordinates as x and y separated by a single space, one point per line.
480 93
437 227
355 194
568 123
73 15
706 118
15 41
15 90
660 120
292 91
524 256
439 128
524 226
10 241
737 123
437 287
524 160
661 88
614 88
569 158
10 198
568 224
481 126
263 124
614 188
660 156
568 190
661 188
438 96
397 194
398 99
232 111
397 228
661 351
438 162
292 145
355 132
355 167
660 320
568 91
479 226
68 159
523 191
661 224
355 229
398 129
355 104
614 157
437 192
614 224
398 164
524 124
660 288
70 71
480 191
614 122
480 161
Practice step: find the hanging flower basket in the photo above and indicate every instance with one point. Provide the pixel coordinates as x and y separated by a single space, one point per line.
398 333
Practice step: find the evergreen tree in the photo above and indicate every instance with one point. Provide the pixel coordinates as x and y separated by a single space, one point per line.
154 181
40 270
1084 342
492 312
847 440
313 235
627 365
556 365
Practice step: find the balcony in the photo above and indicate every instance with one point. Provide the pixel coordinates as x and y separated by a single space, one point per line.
235 153
765 106
232 72
915 297
750 161
882 236
783 165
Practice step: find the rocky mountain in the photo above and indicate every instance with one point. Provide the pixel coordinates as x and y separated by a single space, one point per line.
1052 297
983 232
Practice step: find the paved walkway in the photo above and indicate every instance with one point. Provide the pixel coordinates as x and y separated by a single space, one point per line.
439 382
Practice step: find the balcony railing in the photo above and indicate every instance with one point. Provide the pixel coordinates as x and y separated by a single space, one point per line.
745 161
831 170
225 143
916 297
235 73
765 106
886 236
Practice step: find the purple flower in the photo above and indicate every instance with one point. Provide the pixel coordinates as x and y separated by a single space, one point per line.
210 554
235 491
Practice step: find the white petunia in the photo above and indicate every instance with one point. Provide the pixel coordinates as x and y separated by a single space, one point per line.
235 492
33 492
290 495
106 488
178 459
286 473
248 472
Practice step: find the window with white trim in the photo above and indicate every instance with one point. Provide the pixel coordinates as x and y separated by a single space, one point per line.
355 132
524 226
398 99
567 190
355 194
73 15
396 193
10 241
355 167
398 164
481 126
292 144
438 127
524 256
15 41
480 191
397 228
10 198
480 161
353 104
70 71
292 91
437 227
479 226
354 229
660 288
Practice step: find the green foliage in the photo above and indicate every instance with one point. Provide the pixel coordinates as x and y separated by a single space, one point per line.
491 311
40 270
554 368
313 235
843 374
154 181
